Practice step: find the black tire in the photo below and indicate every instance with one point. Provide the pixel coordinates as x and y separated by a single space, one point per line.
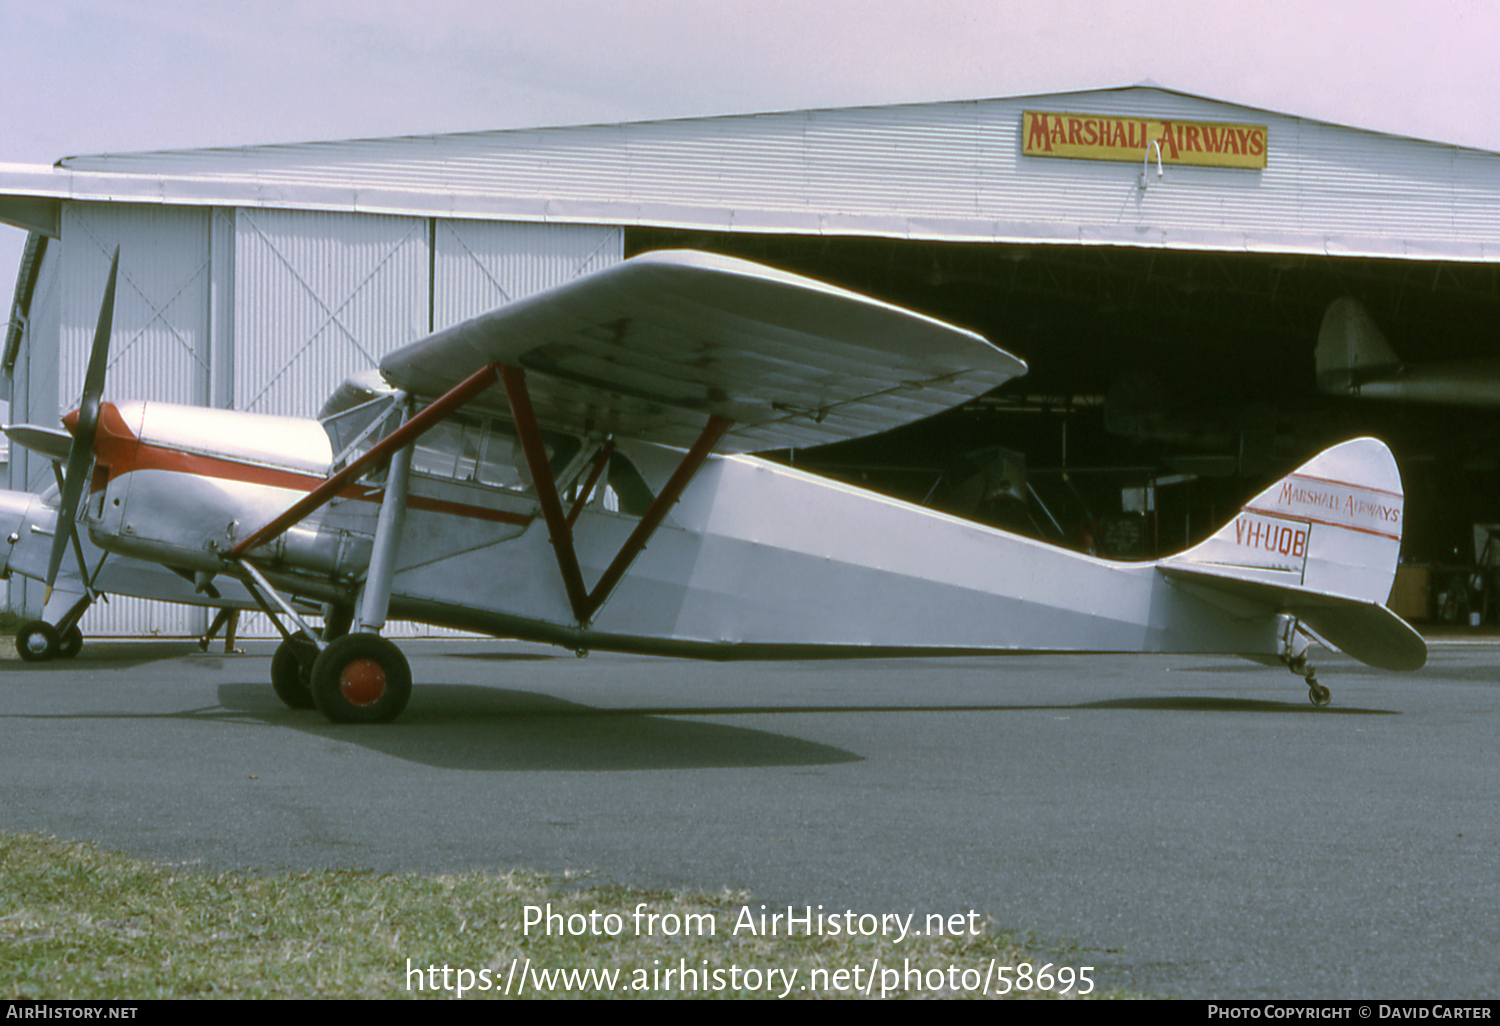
361 678
37 642
290 673
71 643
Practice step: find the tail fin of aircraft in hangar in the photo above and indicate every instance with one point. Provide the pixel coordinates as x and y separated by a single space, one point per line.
1322 545
1352 349
1353 358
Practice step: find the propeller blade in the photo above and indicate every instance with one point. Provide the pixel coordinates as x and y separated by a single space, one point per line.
81 452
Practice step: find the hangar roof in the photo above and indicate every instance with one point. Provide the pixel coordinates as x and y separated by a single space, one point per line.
943 171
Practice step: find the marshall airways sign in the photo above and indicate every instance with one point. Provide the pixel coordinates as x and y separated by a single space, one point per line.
1108 137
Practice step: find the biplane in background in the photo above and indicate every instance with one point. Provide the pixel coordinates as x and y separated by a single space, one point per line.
573 468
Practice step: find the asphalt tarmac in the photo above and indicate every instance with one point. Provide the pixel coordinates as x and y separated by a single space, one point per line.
1189 825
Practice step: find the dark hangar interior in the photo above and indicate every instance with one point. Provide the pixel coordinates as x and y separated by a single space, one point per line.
1187 373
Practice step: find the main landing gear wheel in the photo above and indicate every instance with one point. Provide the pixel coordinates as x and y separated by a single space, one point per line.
361 678
291 670
37 642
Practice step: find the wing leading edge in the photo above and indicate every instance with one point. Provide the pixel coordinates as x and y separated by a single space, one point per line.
653 346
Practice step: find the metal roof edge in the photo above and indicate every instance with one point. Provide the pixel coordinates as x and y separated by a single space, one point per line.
423 139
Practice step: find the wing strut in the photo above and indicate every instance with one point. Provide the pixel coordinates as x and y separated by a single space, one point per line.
600 462
586 603
403 436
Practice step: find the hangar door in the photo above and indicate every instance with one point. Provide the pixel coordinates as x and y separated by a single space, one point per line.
160 347
320 296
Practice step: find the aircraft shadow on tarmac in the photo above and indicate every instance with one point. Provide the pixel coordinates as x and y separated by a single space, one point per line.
117 655
465 726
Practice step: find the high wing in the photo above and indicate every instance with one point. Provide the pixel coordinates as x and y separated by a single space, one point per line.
653 346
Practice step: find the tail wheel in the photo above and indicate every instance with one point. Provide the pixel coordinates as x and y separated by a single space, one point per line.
71 643
37 642
290 672
361 678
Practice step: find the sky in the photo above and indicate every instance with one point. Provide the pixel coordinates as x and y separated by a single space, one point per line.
99 76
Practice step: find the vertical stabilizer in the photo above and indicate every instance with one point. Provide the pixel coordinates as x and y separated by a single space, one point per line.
1351 348
1321 544
1333 525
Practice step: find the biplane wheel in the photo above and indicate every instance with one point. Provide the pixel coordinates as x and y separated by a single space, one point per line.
361 678
37 642
71 643
289 674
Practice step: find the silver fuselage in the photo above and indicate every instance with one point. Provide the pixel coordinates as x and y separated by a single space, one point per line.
756 560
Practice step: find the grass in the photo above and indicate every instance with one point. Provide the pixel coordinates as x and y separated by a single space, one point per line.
80 922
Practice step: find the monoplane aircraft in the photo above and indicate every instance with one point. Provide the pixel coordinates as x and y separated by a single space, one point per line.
573 468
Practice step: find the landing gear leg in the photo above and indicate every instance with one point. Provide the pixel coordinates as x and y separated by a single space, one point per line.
70 638
361 677
1294 645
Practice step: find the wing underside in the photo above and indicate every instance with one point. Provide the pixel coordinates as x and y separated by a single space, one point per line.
653 346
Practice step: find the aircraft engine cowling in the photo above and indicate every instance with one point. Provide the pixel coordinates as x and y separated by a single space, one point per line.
180 486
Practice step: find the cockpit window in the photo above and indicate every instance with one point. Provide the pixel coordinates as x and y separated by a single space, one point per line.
485 451
345 428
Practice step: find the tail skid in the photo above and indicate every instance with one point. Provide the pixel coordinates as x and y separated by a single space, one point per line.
1321 546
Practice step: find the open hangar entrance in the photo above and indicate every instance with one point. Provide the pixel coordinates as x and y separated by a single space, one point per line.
1176 382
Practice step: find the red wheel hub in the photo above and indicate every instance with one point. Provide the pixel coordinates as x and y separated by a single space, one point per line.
362 682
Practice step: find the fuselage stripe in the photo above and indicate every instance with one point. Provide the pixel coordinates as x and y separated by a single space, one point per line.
152 457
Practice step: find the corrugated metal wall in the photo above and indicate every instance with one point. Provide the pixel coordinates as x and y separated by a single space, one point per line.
479 265
939 171
159 346
319 297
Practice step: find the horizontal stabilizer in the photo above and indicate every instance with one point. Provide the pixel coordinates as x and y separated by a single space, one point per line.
1368 631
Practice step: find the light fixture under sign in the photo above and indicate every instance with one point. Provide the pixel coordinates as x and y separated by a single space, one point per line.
1155 144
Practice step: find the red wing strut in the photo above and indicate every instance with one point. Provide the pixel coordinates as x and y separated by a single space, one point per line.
586 603
415 428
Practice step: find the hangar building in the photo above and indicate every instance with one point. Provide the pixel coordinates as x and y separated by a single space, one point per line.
1161 260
